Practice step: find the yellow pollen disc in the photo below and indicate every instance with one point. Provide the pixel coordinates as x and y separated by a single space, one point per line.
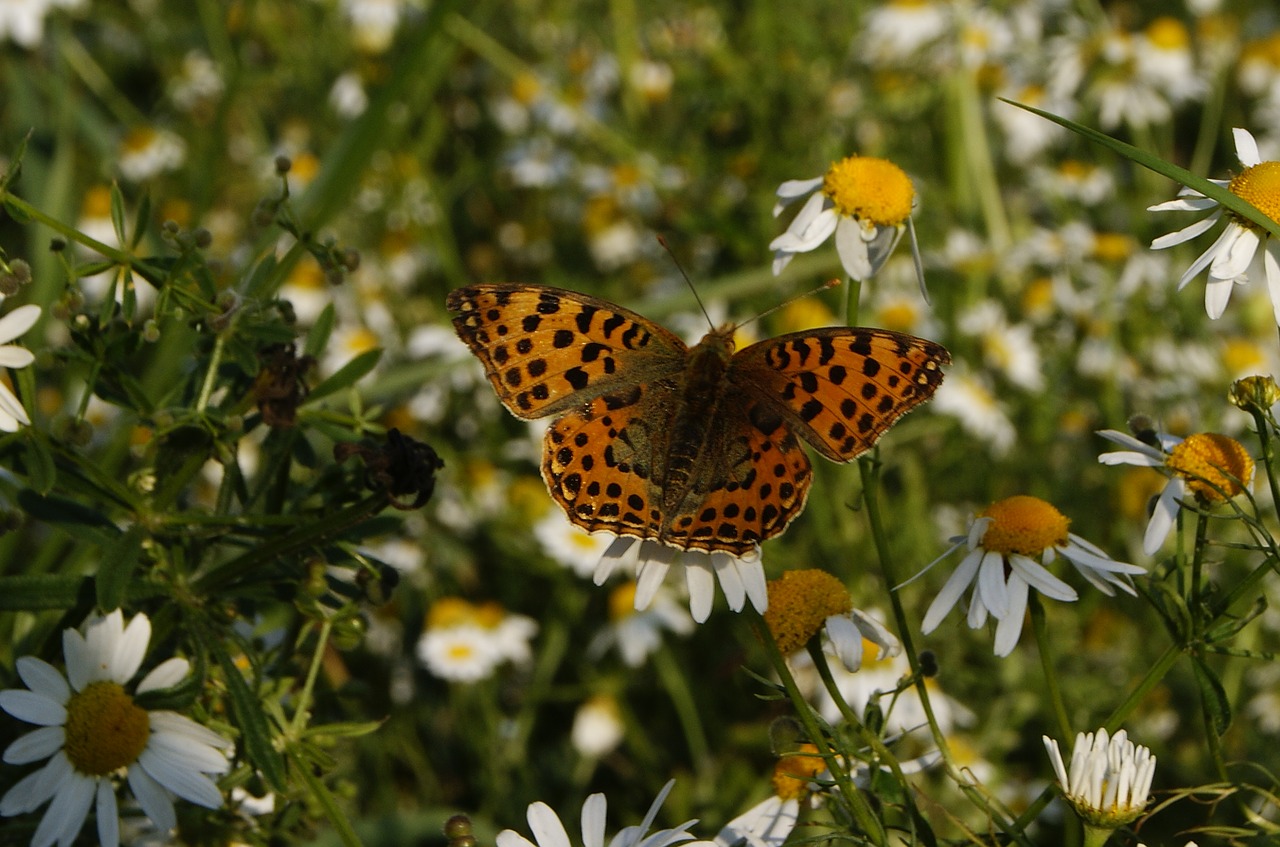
1168 34
1215 466
622 601
800 603
791 775
1260 185
105 731
869 189
448 612
1025 525
461 652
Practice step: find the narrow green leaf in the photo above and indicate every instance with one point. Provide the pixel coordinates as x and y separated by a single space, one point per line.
117 214
141 220
1209 189
115 570
42 473
79 522
41 592
16 211
1213 695
251 720
318 336
347 375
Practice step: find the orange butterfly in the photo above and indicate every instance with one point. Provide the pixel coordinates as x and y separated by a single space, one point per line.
693 448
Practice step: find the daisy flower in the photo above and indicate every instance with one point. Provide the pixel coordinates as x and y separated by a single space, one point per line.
740 577
94 735
466 642
12 325
769 822
635 633
1229 257
1109 780
1009 543
864 201
803 603
548 831
597 727
1210 466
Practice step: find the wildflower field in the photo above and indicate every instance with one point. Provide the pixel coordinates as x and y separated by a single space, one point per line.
403 403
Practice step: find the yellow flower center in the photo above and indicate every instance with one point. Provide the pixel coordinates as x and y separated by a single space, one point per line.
1024 525
1168 34
1112 246
1215 466
792 774
105 731
448 612
1259 185
800 603
869 189
622 601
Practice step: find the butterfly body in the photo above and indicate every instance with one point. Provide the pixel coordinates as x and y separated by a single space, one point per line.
696 448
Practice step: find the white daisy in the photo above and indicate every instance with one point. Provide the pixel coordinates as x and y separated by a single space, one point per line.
807 601
569 544
465 653
740 577
968 398
1229 257
637 634
1211 466
12 325
94 735
597 727
864 201
1003 544
1109 780
548 831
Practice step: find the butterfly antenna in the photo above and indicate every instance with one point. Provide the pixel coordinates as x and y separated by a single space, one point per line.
665 246
831 283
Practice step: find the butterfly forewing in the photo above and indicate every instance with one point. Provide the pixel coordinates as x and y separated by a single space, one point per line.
546 350
840 388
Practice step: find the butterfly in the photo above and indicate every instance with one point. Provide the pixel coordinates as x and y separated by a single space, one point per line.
696 448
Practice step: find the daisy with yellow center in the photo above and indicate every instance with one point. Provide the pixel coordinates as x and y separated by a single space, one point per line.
770 822
96 736
1109 780
638 633
1212 467
1229 257
865 201
548 831
1009 543
803 603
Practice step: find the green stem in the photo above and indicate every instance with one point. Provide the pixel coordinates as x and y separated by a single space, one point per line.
852 296
867 821
1197 574
677 688
1149 681
303 710
1039 625
210 374
321 794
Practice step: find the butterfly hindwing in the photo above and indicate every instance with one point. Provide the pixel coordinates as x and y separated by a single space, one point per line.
546 350
840 388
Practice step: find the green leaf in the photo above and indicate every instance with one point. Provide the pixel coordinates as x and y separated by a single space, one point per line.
115 571
140 220
41 592
1213 695
347 375
1231 202
16 211
318 336
42 473
249 717
117 213
260 276
79 522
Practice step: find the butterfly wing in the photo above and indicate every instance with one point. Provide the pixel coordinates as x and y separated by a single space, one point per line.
839 388
546 350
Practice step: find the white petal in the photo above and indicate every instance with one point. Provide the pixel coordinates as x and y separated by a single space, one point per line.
991 584
1271 264
593 820
701 581
751 570
32 791
852 249
165 675
1235 256
1186 234
181 751
731 584
1041 579
881 246
131 649
792 190
546 826
1126 440
108 815
12 409
43 678
35 745
1197 203
175 724
877 633
1162 518
15 357
181 778
1009 629
65 815
624 552
951 591
1246 147
511 838
1124 457
1055 757
846 640
14 324
153 798
1202 261
32 707
657 559
1217 293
